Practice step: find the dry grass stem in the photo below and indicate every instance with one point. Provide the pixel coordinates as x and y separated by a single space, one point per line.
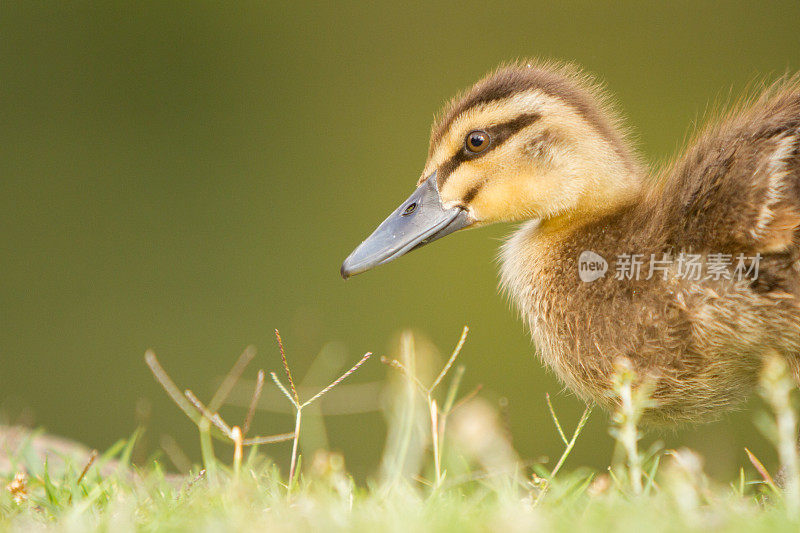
761 469
286 368
175 454
450 361
231 378
169 387
394 363
236 437
89 463
251 410
568 445
338 380
437 461
467 397
555 418
282 437
206 418
294 398
438 417
214 418
284 390
452 390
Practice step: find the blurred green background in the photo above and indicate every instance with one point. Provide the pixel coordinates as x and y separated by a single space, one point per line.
188 176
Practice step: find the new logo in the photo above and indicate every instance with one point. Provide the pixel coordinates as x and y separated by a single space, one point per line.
591 266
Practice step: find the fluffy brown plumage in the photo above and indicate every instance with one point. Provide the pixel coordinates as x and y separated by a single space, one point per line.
735 190
569 174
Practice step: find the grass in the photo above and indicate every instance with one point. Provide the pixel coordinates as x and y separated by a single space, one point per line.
448 466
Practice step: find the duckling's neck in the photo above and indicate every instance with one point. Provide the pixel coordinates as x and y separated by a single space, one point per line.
606 194
539 261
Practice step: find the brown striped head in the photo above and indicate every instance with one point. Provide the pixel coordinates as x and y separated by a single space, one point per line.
527 141
531 141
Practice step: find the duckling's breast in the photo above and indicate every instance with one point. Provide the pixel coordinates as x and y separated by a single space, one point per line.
698 343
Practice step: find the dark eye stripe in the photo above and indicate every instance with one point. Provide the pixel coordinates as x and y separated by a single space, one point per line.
499 134
472 193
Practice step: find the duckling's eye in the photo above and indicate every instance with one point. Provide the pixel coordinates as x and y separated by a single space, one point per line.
477 141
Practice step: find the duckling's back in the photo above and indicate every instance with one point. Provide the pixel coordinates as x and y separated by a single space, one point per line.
737 188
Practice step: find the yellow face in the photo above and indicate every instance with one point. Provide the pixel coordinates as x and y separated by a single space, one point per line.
527 156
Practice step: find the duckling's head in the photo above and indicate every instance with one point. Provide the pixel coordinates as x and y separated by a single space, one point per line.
529 141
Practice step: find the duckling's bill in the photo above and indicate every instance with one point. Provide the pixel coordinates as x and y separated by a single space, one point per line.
419 220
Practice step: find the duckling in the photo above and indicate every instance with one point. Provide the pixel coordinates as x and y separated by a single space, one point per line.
612 260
